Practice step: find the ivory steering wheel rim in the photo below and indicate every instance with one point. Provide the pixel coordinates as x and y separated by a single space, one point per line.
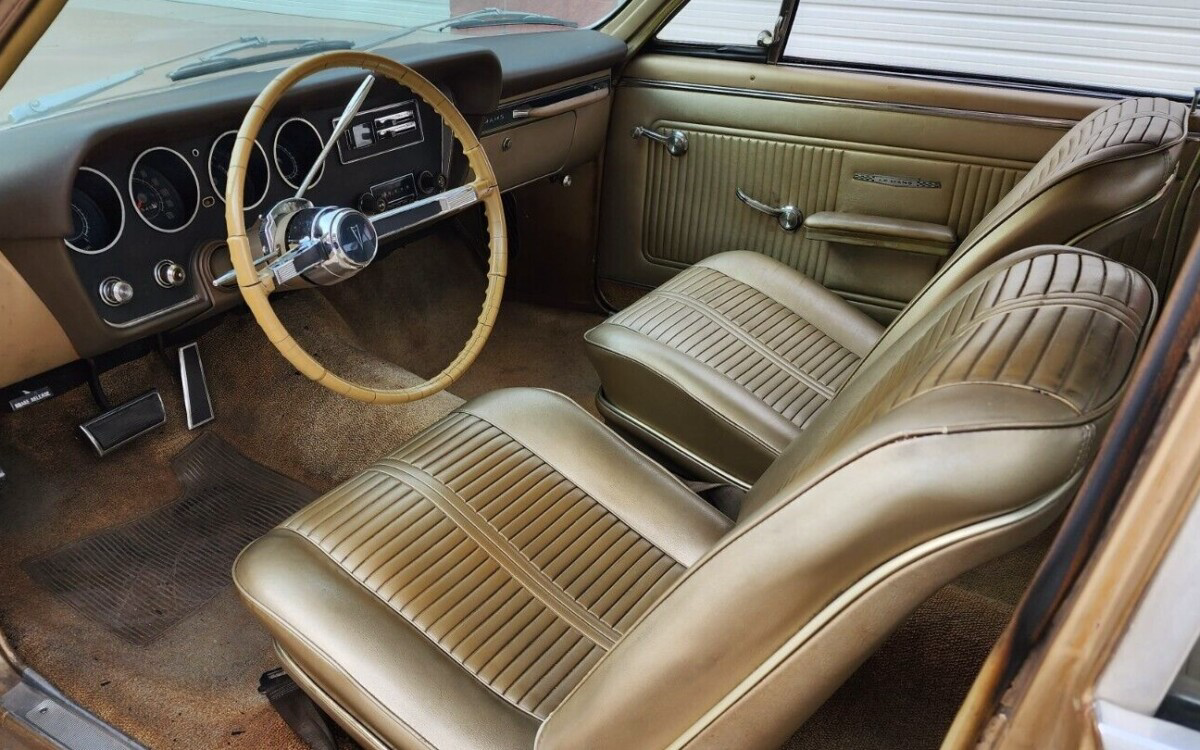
256 287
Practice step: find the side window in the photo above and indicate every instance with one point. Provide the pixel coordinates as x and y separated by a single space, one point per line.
1147 44
721 22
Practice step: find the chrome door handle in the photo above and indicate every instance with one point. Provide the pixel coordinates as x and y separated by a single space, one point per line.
676 141
789 217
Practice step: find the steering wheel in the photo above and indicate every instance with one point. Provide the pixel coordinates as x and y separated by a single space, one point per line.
300 244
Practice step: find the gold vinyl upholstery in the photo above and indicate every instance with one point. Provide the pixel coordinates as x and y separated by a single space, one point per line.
519 577
735 336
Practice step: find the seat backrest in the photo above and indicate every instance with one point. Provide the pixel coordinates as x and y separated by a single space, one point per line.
961 443
1100 183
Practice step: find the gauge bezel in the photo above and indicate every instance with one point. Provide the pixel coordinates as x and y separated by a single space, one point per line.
275 151
195 179
120 202
212 182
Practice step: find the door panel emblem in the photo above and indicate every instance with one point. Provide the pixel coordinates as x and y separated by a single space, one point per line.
892 180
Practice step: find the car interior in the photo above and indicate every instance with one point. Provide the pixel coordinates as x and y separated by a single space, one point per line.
564 388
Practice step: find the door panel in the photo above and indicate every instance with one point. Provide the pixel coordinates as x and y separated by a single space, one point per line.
755 127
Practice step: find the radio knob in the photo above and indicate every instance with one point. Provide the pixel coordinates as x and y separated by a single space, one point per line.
169 274
369 203
428 184
115 292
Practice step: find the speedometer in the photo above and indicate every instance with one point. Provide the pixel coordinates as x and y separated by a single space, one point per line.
164 189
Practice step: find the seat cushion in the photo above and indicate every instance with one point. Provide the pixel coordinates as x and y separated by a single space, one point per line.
722 366
452 594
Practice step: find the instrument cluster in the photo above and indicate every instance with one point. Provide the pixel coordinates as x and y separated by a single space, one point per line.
136 269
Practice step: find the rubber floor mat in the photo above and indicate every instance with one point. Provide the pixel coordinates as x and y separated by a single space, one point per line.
142 577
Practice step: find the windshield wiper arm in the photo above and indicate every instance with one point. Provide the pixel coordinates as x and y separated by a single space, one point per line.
75 94
510 18
439 24
222 62
69 96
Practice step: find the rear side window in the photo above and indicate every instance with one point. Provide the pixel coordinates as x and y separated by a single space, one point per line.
1132 44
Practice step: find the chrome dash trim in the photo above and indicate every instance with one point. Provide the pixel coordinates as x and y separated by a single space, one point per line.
156 314
1057 123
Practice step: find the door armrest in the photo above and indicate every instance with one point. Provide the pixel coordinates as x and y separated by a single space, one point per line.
881 231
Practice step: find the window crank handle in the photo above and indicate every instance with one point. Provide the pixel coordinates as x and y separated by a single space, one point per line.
676 141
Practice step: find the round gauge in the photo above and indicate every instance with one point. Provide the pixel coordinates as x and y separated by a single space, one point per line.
97 213
258 173
164 189
297 146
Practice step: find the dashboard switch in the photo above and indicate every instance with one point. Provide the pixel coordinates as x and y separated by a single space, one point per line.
115 292
169 274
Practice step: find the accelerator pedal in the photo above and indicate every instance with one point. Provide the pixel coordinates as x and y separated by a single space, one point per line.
296 709
125 422
196 400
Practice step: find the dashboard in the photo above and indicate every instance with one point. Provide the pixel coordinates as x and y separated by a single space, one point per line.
148 214
112 222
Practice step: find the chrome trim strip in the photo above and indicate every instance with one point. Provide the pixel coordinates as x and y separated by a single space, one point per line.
1162 192
120 202
1057 123
212 182
195 178
187 386
448 202
155 314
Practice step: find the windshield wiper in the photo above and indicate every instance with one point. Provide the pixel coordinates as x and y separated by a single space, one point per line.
68 96
509 18
225 61
75 94
475 19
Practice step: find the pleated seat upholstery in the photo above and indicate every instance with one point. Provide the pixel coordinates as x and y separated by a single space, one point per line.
518 577
508 564
723 366
729 360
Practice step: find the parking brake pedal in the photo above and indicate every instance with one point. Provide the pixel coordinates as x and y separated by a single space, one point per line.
196 400
124 422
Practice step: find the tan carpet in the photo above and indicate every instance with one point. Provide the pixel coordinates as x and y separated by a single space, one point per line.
418 305
195 687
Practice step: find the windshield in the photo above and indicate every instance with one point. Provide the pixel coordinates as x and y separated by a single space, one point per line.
100 49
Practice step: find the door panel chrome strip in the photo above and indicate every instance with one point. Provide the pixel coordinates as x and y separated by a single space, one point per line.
1057 123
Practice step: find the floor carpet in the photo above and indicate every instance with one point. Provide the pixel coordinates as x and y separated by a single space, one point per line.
142 577
194 685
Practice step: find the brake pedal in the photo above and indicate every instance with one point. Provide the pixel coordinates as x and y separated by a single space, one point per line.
125 422
196 400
